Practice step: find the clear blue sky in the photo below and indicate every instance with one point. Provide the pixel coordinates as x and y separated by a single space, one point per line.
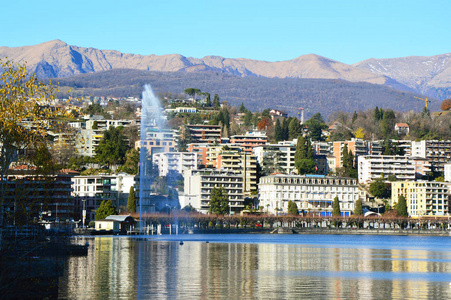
347 31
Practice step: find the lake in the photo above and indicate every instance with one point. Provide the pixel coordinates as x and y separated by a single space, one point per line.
260 266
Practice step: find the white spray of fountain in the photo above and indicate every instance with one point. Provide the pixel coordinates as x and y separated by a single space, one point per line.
152 121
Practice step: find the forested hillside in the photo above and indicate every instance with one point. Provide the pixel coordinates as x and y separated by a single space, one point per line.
316 95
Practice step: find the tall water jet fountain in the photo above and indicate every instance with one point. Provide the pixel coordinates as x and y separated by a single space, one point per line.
152 124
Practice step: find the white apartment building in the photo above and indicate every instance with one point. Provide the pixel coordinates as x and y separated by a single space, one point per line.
277 157
309 192
175 161
91 190
372 167
199 183
447 172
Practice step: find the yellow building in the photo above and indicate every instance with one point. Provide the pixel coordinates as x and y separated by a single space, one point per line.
423 198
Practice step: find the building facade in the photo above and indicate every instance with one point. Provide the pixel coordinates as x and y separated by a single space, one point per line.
175 162
372 167
423 198
311 193
199 183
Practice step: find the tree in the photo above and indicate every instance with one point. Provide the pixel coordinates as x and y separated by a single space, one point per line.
216 101
242 108
247 118
401 206
264 123
22 98
112 147
292 208
105 209
131 203
336 208
305 166
278 134
378 188
192 92
359 134
207 100
285 130
358 211
132 159
294 129
301 152
219 201
446 104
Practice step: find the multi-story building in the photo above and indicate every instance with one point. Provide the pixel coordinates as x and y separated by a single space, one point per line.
204 133
277 157
371 167
249 140
157 141
447 172
175 162
199 183
32 195
423 198
90 190
242 163
437 152
90 132
309 192
201 149
358 147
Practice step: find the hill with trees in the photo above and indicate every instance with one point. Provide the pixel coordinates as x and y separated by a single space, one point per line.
257 93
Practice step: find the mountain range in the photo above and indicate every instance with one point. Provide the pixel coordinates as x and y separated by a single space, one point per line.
316 83
430 76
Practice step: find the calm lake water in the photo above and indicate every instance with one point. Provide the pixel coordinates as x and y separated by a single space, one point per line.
262 266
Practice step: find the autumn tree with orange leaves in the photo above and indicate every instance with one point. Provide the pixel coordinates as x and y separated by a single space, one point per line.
446 104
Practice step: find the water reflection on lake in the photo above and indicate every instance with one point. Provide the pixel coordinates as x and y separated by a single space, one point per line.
261 267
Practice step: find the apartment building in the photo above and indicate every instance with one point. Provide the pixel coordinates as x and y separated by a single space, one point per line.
30 195
249 140
242 163
372 167
277 157
90 190
175 162
199 183
309 192
157 141
358 147
204 133
423 198
437 152
90 132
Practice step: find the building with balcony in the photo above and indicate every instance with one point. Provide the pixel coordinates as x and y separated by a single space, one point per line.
249 140
358 147
90 190
437 152
371 167
89 133
276 157
157 141
175 162
204 133
199 183
423 198
311 193
35 196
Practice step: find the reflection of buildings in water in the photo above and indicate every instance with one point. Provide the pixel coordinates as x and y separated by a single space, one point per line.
109 269
410 262
229 269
